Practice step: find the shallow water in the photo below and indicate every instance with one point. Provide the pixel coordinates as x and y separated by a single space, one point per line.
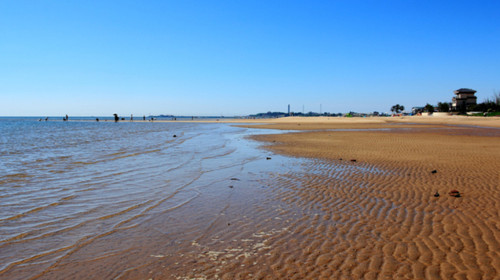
62 183
88 200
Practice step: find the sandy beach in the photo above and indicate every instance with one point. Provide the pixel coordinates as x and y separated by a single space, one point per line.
249 140
312 123
385 221
315 198
373 202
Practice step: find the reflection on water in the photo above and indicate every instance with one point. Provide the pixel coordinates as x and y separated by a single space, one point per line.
65 183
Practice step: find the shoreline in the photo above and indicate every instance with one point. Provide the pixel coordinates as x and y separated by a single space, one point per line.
356 121
426 232
351 199
326 122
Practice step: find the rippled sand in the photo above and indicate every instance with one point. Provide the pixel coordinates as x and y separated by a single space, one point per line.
377 217
315 215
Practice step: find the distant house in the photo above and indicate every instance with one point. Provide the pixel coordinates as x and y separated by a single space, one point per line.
464 99
417 110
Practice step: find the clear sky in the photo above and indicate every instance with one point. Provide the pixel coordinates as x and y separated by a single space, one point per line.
241 57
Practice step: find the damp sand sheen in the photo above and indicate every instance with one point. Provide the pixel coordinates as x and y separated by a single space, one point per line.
287 199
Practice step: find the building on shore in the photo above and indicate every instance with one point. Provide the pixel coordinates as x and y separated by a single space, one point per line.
464 99
417 111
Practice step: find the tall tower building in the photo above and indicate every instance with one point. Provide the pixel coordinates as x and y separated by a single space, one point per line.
289 109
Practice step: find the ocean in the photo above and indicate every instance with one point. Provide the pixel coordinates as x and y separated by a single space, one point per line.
65 185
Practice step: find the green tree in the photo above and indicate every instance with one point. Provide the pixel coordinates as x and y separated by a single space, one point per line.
491 104
443 107
397 108
495 99
429 108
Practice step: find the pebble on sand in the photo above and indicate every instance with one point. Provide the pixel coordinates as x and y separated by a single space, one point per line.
454 193
434 171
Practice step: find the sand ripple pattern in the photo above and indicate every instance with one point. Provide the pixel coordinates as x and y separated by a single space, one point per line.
235 215
377 218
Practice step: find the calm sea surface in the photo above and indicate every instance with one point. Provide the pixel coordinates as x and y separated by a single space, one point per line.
64 183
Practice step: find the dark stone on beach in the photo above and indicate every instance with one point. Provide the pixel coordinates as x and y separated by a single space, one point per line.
175 135
434 171
231 187
353 160
340 158
268 158
454 193
436 194
228 224
235 179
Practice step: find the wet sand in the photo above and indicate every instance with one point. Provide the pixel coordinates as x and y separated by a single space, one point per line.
373 218
383 220
319 215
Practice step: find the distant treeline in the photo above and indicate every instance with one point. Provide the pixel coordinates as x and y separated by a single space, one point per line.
282 114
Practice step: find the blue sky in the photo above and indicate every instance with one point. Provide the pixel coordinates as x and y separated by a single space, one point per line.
242 57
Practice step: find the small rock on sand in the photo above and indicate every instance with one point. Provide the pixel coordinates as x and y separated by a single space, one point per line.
454 193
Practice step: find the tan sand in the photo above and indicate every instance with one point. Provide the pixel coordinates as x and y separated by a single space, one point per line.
301 123
375 218
381 220
342 122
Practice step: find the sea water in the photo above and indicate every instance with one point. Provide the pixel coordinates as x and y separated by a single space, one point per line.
64 183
